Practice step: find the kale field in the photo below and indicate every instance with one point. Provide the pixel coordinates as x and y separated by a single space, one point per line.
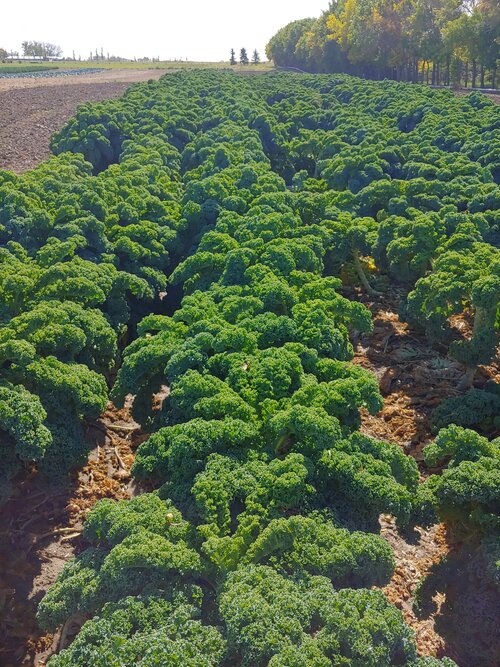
206 294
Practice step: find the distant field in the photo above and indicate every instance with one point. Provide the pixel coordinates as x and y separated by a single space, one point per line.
132 64
21 69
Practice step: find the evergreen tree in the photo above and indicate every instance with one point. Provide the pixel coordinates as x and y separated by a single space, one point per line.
233 57
255 57
243 57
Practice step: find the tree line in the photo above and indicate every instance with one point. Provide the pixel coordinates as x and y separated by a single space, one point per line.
244 59
441 42
42 50
35 50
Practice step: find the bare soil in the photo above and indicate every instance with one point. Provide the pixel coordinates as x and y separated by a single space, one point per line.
415 558
31 110
414 378
40 530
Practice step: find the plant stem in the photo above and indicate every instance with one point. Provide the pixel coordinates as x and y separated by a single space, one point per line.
361 274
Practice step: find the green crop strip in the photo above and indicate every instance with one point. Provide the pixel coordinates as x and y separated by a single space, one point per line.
260 546
21 69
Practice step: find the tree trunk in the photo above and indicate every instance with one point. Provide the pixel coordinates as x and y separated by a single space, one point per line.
482 76
466 74
447 72
474 73
493 76
433 80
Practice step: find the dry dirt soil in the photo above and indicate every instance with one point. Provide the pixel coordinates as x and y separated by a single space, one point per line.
31 110
40 531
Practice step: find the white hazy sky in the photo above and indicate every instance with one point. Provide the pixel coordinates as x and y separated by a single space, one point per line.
194 29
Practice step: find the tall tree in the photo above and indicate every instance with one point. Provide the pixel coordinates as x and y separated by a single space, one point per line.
32 49
243 57
281 49
396 39
52 50
462 39
232 60
41 50
255 57
489 38
426 36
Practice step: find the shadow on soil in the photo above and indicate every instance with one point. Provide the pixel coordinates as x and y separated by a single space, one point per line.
465 603
40 531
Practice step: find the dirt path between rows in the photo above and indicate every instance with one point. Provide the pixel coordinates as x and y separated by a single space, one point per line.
40 531
31 110
414 378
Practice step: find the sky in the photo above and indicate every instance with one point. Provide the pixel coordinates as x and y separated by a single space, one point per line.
200 30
